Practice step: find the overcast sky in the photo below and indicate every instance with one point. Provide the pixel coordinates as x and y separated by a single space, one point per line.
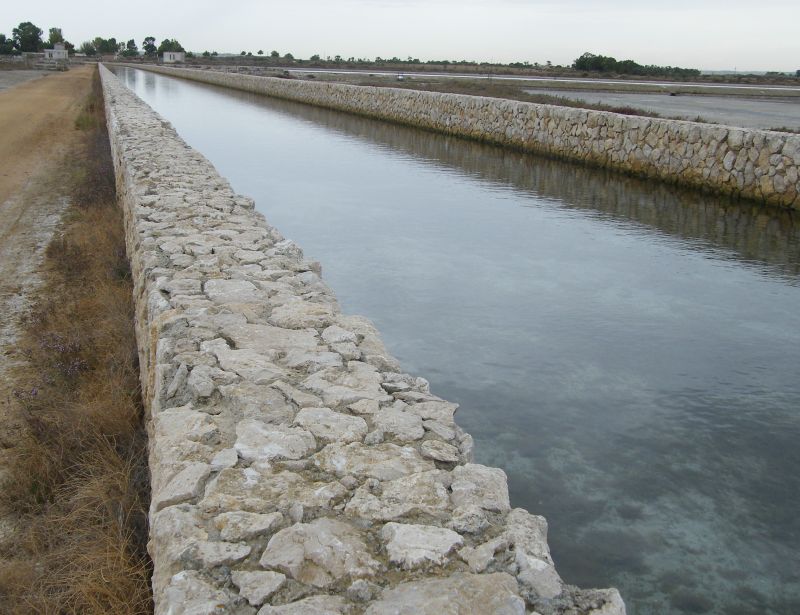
706 34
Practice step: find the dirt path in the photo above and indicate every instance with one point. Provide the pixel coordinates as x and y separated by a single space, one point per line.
37 128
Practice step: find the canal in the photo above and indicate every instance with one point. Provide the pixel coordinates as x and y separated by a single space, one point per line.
627 351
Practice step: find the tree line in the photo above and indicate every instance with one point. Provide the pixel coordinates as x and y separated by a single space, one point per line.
27 38
606 64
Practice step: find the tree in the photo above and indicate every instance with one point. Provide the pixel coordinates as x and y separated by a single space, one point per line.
315 58
6 46
261 52
274 54
87 48
288 56
149 47
131 50
106 45
243 53
55 37
27 37
206 54
214 53
169 44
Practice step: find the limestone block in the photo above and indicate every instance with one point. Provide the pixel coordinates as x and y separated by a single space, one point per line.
415 546
459 594
254 401
478 558
424 493
439 451
332 426
403 426
257 440
312 361
265 337
257 587
186 485
300 314
210 554
190 593
336 335
478 485
383 461
239 525
250 365
233 291
440 411
320 553
248 489
315 605
343 387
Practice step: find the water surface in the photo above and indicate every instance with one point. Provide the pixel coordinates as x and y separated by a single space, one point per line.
628 352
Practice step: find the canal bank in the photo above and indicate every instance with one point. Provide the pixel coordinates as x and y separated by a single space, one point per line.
292 462
753 164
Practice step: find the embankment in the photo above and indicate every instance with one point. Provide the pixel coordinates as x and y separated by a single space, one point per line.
294 467
753 164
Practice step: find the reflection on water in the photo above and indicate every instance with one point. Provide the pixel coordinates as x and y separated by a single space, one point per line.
627 351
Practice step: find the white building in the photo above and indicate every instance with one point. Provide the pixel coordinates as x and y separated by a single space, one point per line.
59 52
170 57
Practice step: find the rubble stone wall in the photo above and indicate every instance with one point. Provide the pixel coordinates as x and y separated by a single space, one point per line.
754 164
295 468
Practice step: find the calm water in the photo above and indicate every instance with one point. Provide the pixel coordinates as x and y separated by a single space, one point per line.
628 352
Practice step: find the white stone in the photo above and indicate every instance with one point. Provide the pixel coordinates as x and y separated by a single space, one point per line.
300 314
439 451
414 546
459 594
262 337
315 605
537 575
337 387
311 361
479 558
184 486
258 440
403 426
226 458
336 335
478 485
320 553
444 432
469 519
256 587
233 291
440 411
211 554
189 593
239 525
383 461
424 493
332 426
250 365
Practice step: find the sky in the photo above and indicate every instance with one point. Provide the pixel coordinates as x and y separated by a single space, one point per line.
705 34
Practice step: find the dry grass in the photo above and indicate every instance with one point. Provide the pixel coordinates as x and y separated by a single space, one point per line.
78 485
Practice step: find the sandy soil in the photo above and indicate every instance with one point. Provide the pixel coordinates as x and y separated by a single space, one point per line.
37 129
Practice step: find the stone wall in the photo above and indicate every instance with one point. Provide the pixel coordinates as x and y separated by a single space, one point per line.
295 468
754 164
